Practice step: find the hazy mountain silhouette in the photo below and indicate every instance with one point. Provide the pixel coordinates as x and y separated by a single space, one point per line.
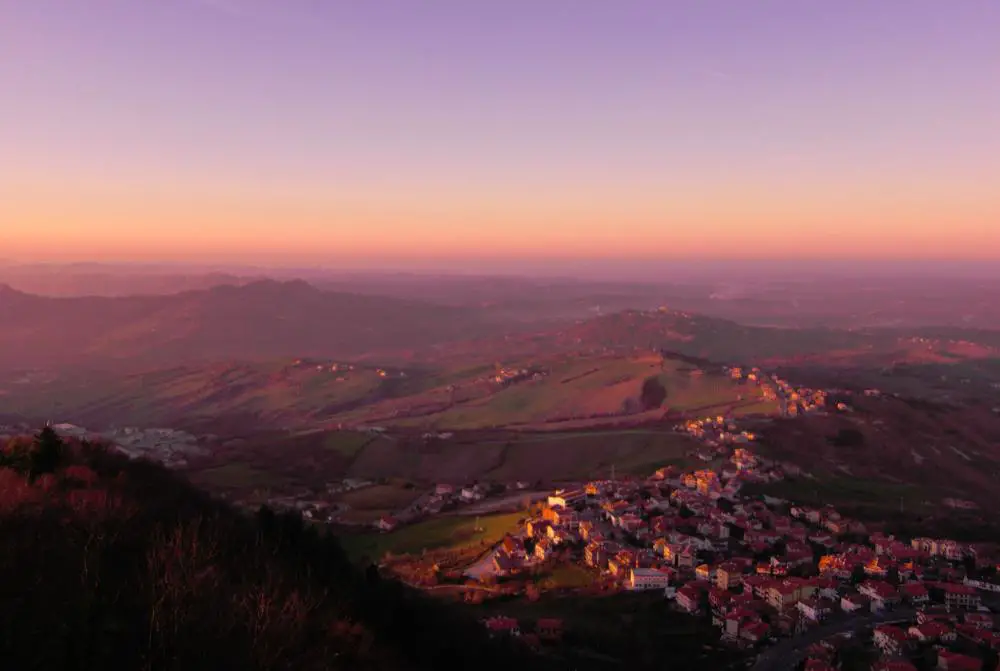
264 319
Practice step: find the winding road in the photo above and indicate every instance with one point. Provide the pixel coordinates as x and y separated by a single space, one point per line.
787 653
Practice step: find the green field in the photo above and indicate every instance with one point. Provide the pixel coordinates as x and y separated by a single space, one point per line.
445 531
590 454
237 475
595 390
380 497
840 490
348 443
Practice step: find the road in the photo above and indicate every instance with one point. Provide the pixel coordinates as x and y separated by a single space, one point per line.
787 653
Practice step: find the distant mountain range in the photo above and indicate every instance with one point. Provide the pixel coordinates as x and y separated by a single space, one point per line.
263 319
269 319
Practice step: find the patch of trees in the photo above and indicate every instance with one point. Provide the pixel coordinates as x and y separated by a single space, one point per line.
848 438
653 393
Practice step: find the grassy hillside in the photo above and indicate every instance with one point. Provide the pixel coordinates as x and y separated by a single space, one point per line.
890 452
574 392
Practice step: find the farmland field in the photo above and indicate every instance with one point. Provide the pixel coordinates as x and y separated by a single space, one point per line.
446 531
380 497
237 475
574 392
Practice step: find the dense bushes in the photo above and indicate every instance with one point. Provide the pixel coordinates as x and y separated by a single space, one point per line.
111 564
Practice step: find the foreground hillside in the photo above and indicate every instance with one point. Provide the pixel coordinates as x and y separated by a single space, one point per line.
119 565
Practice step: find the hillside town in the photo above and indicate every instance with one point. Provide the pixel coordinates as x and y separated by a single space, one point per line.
766 571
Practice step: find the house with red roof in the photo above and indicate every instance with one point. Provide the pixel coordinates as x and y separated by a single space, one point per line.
755 632
502 626
931 632
914 593
882 594
387 523
960 596
980 620
688 598
953 661
815 610
890 639
984 637
893 665
851 603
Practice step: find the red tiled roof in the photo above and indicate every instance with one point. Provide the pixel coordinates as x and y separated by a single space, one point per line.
891 631
956 661
500 623
933 629
913 589
894 665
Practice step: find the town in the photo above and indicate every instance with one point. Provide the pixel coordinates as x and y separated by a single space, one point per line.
789 582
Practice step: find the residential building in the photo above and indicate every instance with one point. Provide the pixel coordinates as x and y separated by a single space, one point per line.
815 610
755 632
882 594
914 593
728 575
648 578
932 632
961 596
953 661
688 598
890 639
893 665
502 626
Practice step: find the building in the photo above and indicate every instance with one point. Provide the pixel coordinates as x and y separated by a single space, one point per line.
961 596
728 575
882 594
688 598
502 626
953 661
914 593
893 665
931 632
815 610
641 579
566 498
891 640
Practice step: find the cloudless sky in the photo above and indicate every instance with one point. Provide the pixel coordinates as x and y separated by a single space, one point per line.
266 130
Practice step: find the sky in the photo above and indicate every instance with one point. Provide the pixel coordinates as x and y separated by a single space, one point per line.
394 132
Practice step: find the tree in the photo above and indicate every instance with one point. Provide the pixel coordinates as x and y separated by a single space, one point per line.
46 453
653 393
848 438
858 575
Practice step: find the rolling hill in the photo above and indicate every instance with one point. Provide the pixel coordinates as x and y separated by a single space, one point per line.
265 319
568 392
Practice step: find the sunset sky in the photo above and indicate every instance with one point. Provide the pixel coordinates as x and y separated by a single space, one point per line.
318 130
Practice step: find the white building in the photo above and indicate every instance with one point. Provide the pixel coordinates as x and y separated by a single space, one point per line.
648 578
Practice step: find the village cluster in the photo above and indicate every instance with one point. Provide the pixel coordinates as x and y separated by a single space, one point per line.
794 400
764 569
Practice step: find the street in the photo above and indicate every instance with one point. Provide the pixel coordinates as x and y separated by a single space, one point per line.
787 653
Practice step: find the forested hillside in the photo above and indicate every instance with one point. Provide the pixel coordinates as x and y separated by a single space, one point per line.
119 565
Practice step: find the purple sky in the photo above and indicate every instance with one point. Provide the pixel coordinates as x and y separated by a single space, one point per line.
319 129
